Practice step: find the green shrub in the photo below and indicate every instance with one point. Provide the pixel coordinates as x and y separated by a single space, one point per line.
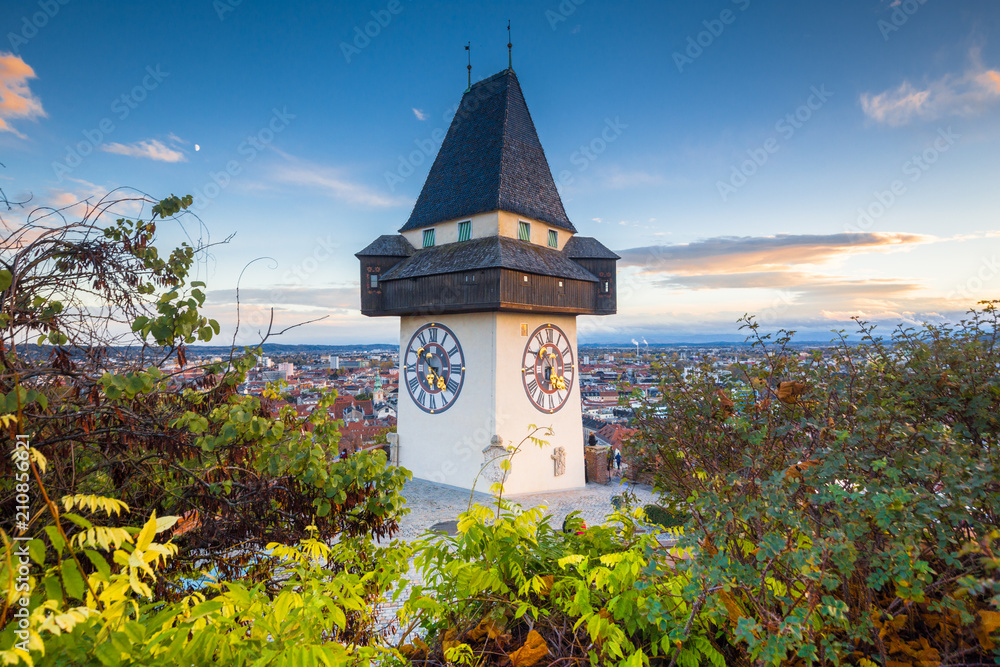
841 518
664 517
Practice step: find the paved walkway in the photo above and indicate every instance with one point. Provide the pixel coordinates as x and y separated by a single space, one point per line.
431 503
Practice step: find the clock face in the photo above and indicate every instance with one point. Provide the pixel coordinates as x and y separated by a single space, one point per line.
547 369
434 368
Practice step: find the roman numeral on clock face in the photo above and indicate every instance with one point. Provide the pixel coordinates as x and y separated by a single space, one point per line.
434 355
547 364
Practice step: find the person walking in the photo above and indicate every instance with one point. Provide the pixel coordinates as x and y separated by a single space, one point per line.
618 460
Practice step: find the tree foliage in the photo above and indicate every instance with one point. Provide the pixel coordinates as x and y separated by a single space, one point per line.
93 368
842 514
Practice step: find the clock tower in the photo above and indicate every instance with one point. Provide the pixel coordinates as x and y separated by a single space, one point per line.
488 277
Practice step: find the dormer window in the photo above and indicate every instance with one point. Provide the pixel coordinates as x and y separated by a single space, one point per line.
553 239
523 231
465 230
429 238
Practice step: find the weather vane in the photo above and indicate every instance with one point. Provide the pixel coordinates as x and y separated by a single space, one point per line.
469 50
510 46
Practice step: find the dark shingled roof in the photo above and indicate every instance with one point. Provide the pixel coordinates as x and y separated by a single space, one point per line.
587 247
490 160
388 245
487 253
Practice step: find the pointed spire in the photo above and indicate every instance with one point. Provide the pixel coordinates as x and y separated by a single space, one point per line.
510 46
490 159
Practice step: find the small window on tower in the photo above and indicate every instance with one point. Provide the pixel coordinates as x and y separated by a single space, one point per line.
429 237
606 287
373 280
465 230
553 239
523 231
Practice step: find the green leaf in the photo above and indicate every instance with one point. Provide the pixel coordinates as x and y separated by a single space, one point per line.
72 579
78 520
56 539
53 589
99 563
36 549
6 279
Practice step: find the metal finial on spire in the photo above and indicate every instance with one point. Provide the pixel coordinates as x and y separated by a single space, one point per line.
510 46
467 48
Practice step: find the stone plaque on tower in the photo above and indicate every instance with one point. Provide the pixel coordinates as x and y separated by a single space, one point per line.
488 277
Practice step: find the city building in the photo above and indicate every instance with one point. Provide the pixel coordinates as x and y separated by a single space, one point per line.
488 277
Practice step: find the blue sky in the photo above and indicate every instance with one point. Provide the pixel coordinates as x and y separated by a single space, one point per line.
805 161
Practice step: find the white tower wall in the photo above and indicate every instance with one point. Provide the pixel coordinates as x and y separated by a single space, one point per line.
447 447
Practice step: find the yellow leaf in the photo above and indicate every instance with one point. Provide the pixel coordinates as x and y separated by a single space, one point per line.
450 639
486 629
39 459
147 534
989 622
534 649
165 522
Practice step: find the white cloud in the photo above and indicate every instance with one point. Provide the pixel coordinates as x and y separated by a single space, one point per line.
331 182
419 114
16 98
152 149
965 95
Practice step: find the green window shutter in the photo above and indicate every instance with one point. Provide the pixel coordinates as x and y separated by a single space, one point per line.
464 231
523 231
428 237
553 239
